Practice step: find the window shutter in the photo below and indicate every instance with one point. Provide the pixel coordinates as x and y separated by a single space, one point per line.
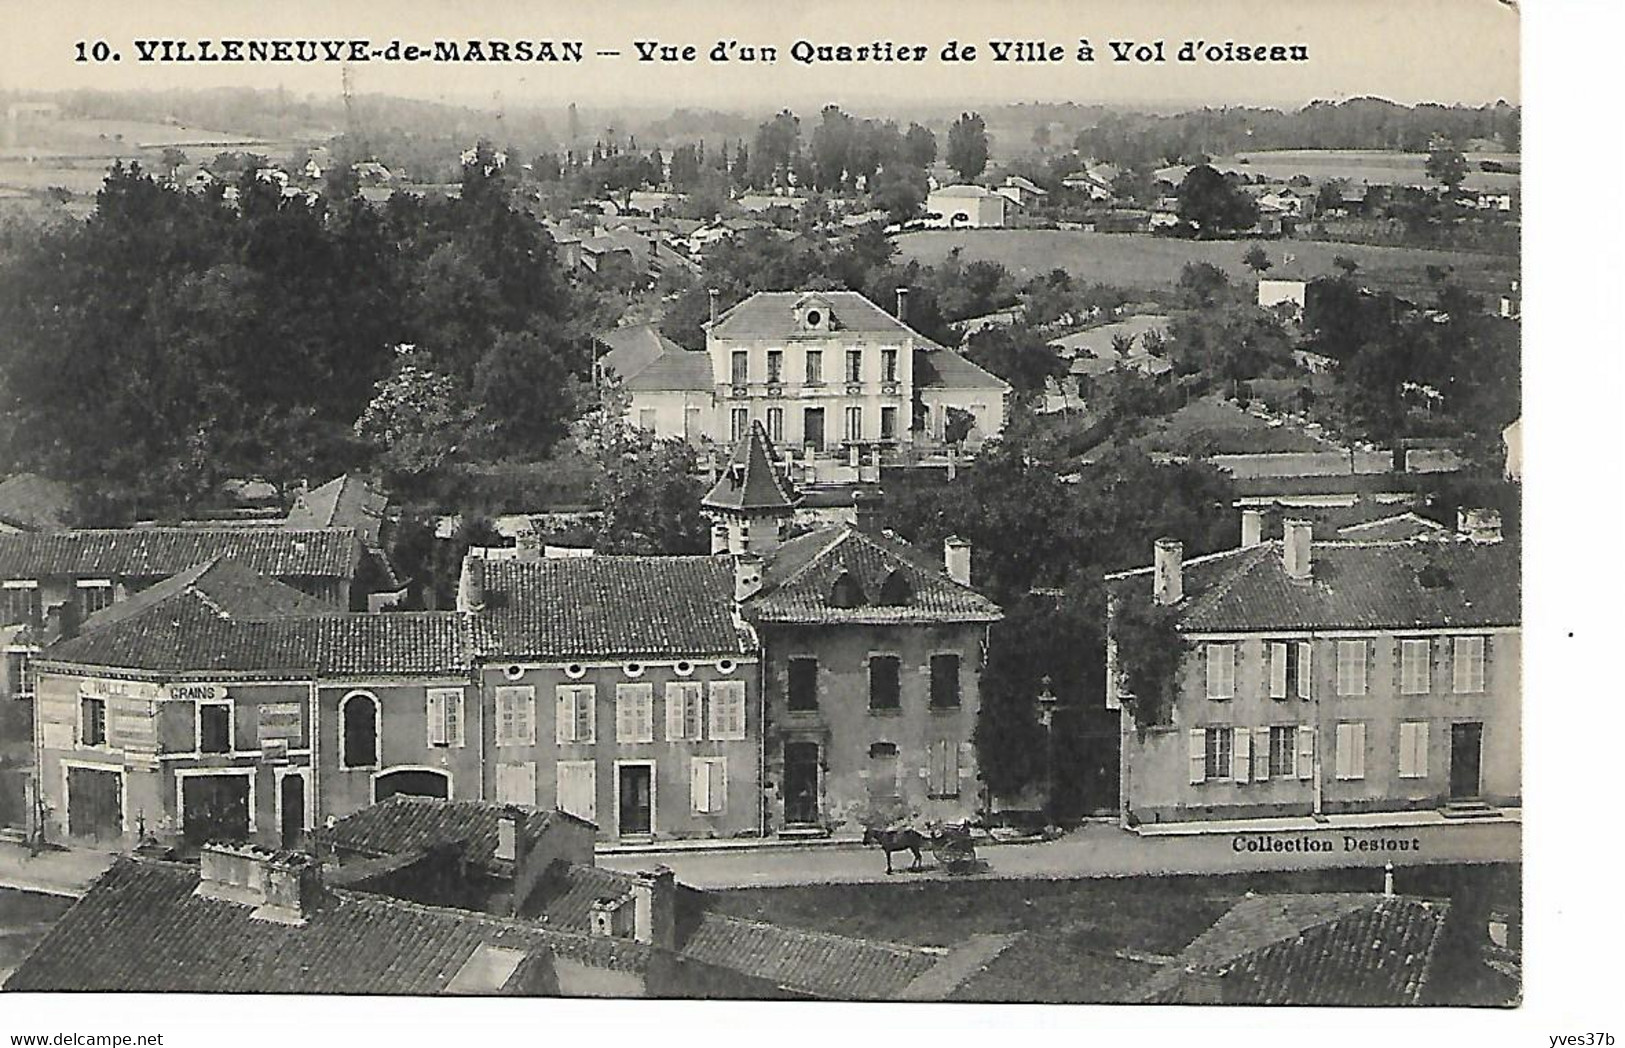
454 718
1306 674
1306 751
564 715
1221 671
676 710
528 704
1261 754
727 710
1357 736
626 726
717 787
1241 757
586 701
516 783
699 785
1422 749
1277 670
435 715
1198 754
578 789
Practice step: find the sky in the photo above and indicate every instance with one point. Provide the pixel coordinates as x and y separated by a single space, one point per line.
1405 50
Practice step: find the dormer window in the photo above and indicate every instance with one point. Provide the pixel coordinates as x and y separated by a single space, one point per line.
812 313
846 592
895 590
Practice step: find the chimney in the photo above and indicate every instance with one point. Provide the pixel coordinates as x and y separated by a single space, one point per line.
1388 879
956 558
866 512
510 830
747 576
719 537
1479 525
902 304
711 295
285 887
612 917
471 585
654 907
1252 527
1168 572
1297 549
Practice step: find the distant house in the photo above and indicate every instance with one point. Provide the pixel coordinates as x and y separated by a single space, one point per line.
1020 191
1280 290
999 318
30 502
372 173
769 201
1318 950
965 207
1094 351
645 202
1089 184
671 388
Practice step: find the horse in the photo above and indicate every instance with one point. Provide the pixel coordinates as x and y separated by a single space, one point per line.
909 840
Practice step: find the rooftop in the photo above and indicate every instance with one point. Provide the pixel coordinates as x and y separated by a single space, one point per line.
31 502
404 823
771 314
280 552
610 607
347 501
1353 585
751 482
1327 949
887 581
649 361
938 367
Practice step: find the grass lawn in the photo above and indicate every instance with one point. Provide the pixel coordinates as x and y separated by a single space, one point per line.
1216 426
1140 261
1071 931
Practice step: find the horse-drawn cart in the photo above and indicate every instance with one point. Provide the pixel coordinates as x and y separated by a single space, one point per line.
953 846
954 849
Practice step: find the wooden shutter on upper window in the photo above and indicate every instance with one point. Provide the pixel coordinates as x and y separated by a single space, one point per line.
1306 675
564 715
1197 739
1241 755
1277 658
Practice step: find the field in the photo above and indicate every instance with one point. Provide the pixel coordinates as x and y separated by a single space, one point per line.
1375 167
1150 263
1086 941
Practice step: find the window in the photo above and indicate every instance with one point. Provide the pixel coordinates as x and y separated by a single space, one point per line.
683 701
94 595
516 783
444 713
775 366
1283 754
1351 750
854 423
575 713
942 769
1468 657
358 714
775 423
646 419
516 715
727 710
214 727
577 791
92 722
812 428
888 365
21 603
634 713
1218 755
1221 671
1351 657
885 682
944 682
1289 669
854 365
1414 669
740 372
739 422
17 666
708 785
803 684
815 367
1413 749
888 423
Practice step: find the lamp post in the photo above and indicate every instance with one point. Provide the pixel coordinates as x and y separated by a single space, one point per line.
1046 716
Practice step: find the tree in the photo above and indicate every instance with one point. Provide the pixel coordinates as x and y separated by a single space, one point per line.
900 191
1257 259
1212 204
920 146
1018 355
645 492
1447 166
1346 264
417 420
173 160
968 146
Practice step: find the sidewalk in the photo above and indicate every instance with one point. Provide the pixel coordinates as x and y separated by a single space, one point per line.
51 872
1101 850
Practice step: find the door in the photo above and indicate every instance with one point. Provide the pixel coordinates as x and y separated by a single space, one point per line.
813 432
637 799
885 801
800 783
1466 746
292 789
95 803
214 808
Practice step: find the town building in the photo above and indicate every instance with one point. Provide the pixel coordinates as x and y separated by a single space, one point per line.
1021 192
873 655
671 389
965 207
30 502
1319 678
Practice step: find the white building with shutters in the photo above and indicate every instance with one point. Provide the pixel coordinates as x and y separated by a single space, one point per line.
623 690
1321 678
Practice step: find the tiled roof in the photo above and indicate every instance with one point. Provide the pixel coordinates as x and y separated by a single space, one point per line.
752 482
967 191
160 552
648 361
221 618
812 963
1398 527
35 503
1097 341
142 928
1353 585
1329 949
348 501
404 824
771 314
564 896
937 367
609 607
799 579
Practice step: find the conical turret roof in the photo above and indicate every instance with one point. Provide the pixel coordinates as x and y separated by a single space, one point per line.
752 483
